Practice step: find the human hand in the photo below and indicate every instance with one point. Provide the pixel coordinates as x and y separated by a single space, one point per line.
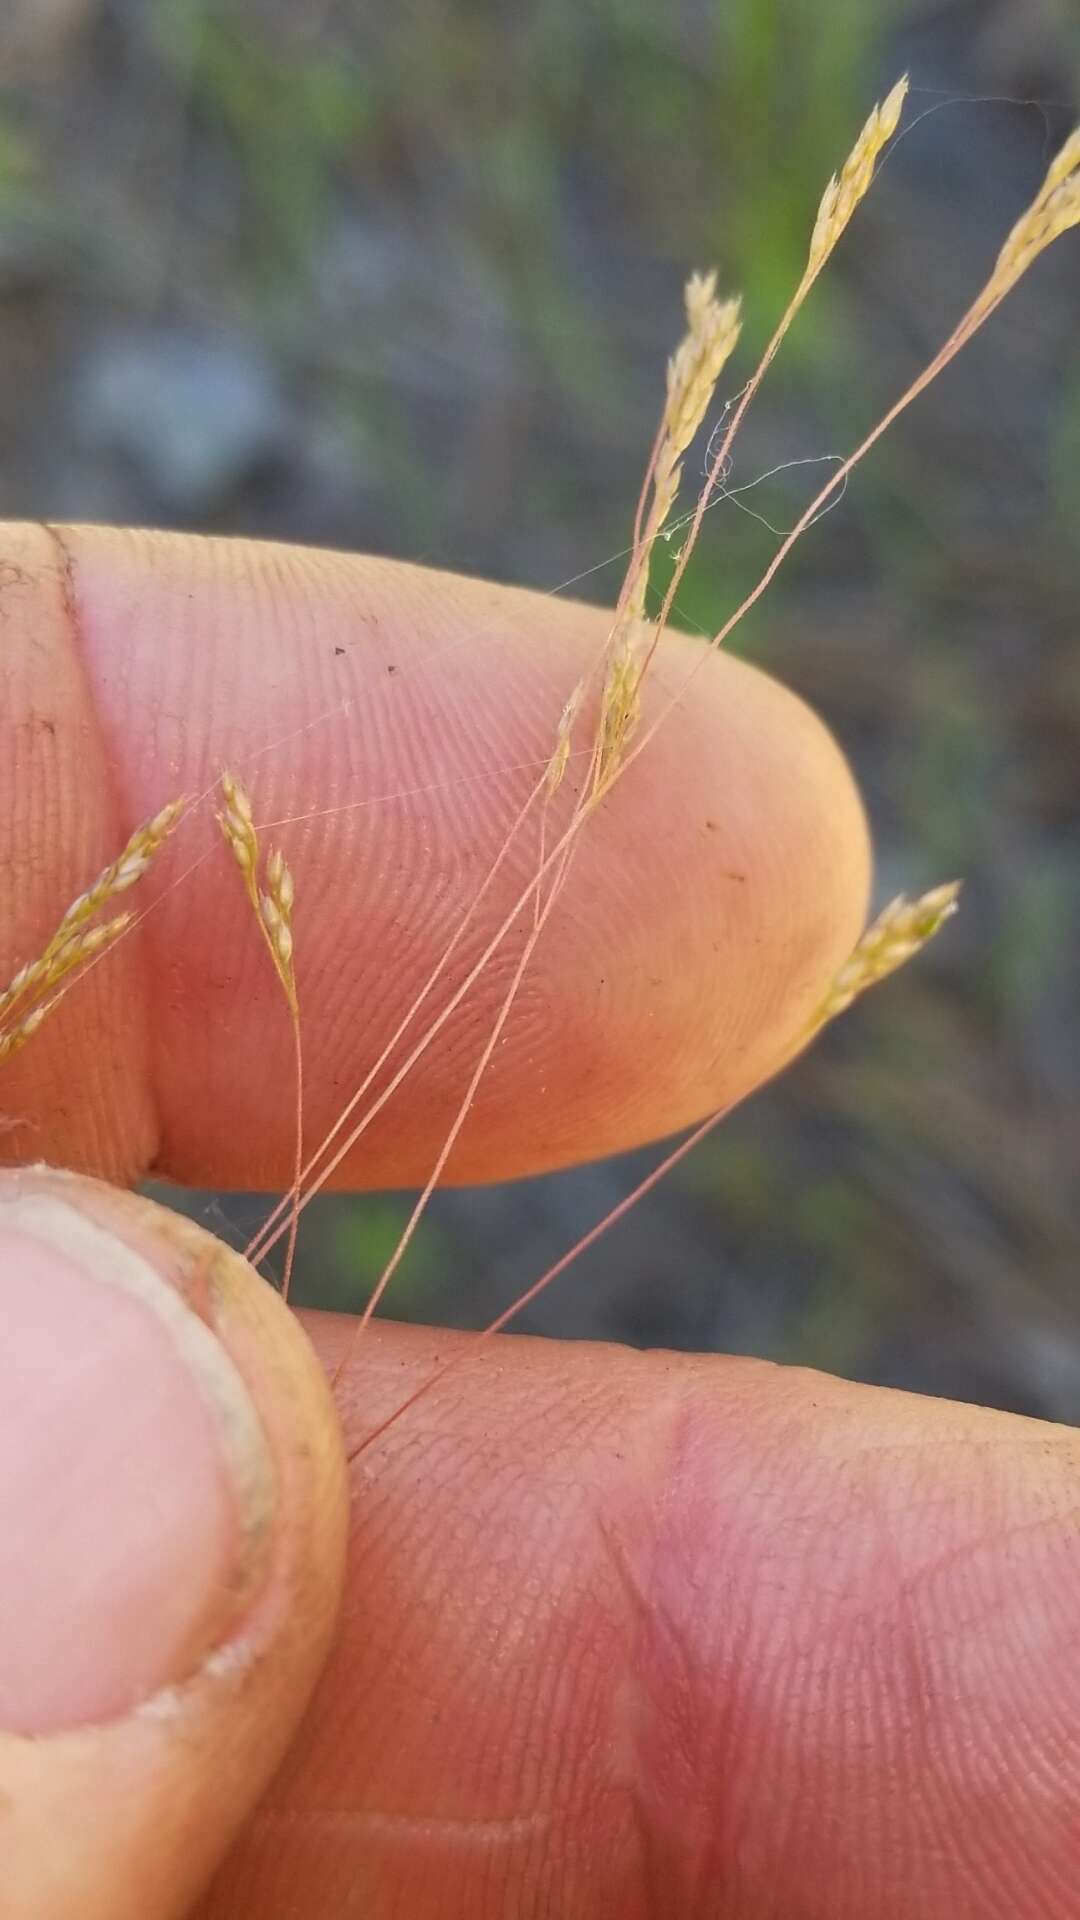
618 1633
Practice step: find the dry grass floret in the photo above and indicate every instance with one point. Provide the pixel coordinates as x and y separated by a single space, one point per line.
272 906
894 937
79 937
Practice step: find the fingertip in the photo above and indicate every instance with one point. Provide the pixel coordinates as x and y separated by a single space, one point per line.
685 1623
176 1510
392 721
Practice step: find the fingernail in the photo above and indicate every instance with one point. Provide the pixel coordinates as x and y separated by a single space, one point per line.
135 1481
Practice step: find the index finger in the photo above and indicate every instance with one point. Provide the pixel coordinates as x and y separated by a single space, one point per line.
392 721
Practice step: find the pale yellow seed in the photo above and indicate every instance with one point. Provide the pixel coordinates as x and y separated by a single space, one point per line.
237 798
237 825
283 945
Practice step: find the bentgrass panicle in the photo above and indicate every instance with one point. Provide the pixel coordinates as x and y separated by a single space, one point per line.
272 905
898 933
693 371
79 937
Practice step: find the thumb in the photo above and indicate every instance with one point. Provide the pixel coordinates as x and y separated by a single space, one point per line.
172 1520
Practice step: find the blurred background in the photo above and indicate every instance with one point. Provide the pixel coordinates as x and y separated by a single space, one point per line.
405 278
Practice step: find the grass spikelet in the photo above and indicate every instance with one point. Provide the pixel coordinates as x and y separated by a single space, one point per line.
620 708
238 826
712 332
852 183
276 906
1055 208
18 1036
272 904
899 931
63 956
695 366
122 873
79 938
838 203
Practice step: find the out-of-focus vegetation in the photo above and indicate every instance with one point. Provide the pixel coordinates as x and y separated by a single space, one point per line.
406 278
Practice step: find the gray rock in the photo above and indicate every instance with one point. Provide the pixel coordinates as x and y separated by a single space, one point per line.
194 415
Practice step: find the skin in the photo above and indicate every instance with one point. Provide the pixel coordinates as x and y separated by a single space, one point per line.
618 1633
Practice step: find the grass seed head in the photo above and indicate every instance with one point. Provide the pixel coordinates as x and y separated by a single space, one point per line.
76 941
276 906
846 189
124 871
620 708
712 331
1055 208
695 366
237 825
80 947
272 902
17 1037
898 932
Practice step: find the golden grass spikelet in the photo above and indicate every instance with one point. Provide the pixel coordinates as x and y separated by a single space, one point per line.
123 872
76 942
1065 162
846 189
77 949
272 903
237 825
276 906
620 708
712 331
692 373
17 1037
59 959
1055 208
695 366
898 932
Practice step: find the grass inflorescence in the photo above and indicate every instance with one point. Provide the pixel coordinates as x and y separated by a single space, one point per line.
614 736
272 895
81 935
